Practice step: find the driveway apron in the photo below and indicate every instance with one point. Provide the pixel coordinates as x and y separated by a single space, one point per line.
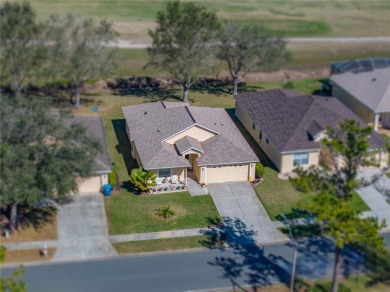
371 195
82 229
242 212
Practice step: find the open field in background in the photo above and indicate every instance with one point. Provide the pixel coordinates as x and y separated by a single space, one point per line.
305 56
133 18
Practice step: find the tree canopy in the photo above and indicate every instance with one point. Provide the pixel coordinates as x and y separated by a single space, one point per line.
182 41
40 153
65 48
249 47
334 184
22 49
83 50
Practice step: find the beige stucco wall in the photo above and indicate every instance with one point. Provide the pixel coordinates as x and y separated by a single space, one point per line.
91 184
287 161
219 174
269 149
356 106
195 132
180 172
252 172
380 157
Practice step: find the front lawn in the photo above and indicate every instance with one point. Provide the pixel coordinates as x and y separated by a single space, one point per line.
43 231
28 255
160 244
130 213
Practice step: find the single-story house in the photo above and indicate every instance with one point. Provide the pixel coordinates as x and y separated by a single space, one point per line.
363 85
289 126
174 138
102 166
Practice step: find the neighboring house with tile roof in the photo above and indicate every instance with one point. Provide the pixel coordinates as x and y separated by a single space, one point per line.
364 87
172 138
289 126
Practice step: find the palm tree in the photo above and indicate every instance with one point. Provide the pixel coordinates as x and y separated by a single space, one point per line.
142 179
166 212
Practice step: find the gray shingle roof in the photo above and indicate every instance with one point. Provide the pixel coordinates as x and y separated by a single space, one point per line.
372 88
287 118
187 143
152 123
95 129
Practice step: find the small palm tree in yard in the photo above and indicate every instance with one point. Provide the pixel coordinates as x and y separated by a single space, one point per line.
166 212
142 179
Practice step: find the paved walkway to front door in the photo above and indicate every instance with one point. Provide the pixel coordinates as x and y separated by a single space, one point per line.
82 229
242 212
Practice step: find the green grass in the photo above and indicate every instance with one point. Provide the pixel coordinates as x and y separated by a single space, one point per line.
133 18
160 244
129 213
305 56
353 283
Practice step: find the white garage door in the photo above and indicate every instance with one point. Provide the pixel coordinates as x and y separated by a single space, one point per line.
89 185
227 173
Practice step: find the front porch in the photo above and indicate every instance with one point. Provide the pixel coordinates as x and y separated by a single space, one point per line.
185 181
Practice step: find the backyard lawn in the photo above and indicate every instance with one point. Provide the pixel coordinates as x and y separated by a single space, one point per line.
130 213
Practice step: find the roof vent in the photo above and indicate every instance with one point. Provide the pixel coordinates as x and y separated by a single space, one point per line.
221 124
145 113
373 79
158 131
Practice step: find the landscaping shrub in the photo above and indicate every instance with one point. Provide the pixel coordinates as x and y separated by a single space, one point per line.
166 212
112 177
259 170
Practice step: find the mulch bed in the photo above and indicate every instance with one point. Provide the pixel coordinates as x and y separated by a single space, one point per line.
256 182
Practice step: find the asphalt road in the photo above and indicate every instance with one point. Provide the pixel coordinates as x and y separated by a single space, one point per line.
124 44
240 265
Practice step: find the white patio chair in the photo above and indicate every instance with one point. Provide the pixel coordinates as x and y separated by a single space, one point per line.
174 179
159 181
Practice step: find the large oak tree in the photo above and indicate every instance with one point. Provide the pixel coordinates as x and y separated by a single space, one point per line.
182 41
41 153
247 48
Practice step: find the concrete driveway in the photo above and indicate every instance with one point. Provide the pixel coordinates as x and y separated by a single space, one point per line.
374 199
82 229
241 210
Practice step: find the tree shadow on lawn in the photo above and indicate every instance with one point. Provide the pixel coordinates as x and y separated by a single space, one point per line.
123 147
222 86
36 217
144 86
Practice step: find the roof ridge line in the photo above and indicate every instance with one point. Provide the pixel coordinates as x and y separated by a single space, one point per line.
303 118
189 112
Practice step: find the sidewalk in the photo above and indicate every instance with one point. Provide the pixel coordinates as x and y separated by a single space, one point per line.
31 245
160 235
148 235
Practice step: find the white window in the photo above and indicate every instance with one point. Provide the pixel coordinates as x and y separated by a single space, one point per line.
164 172
300 159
